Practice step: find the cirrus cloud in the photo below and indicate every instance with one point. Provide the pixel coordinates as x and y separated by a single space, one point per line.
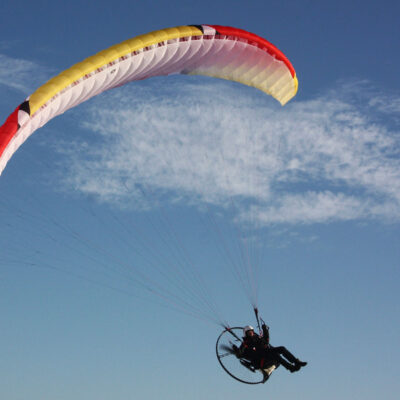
20 74
330 158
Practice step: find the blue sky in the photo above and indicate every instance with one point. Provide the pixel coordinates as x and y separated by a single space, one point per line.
135 179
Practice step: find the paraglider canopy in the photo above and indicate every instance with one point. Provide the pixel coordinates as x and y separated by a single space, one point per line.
212 50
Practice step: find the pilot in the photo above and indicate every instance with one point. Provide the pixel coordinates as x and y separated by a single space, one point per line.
257 349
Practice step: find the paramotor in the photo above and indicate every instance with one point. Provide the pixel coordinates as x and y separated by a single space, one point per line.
239 368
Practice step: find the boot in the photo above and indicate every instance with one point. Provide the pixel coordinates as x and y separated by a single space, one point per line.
300 363
294 368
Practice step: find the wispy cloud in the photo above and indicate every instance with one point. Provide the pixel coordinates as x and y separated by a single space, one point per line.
331 158
20 74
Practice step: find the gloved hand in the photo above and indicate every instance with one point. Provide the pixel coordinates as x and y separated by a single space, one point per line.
265 330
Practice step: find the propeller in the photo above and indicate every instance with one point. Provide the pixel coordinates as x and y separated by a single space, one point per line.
228 349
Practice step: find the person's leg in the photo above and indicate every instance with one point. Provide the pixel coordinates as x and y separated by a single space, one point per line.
283 351
273 354
287 359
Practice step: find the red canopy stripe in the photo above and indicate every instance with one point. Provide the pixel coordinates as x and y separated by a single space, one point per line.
258 41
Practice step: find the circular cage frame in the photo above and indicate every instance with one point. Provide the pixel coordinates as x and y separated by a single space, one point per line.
231 331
